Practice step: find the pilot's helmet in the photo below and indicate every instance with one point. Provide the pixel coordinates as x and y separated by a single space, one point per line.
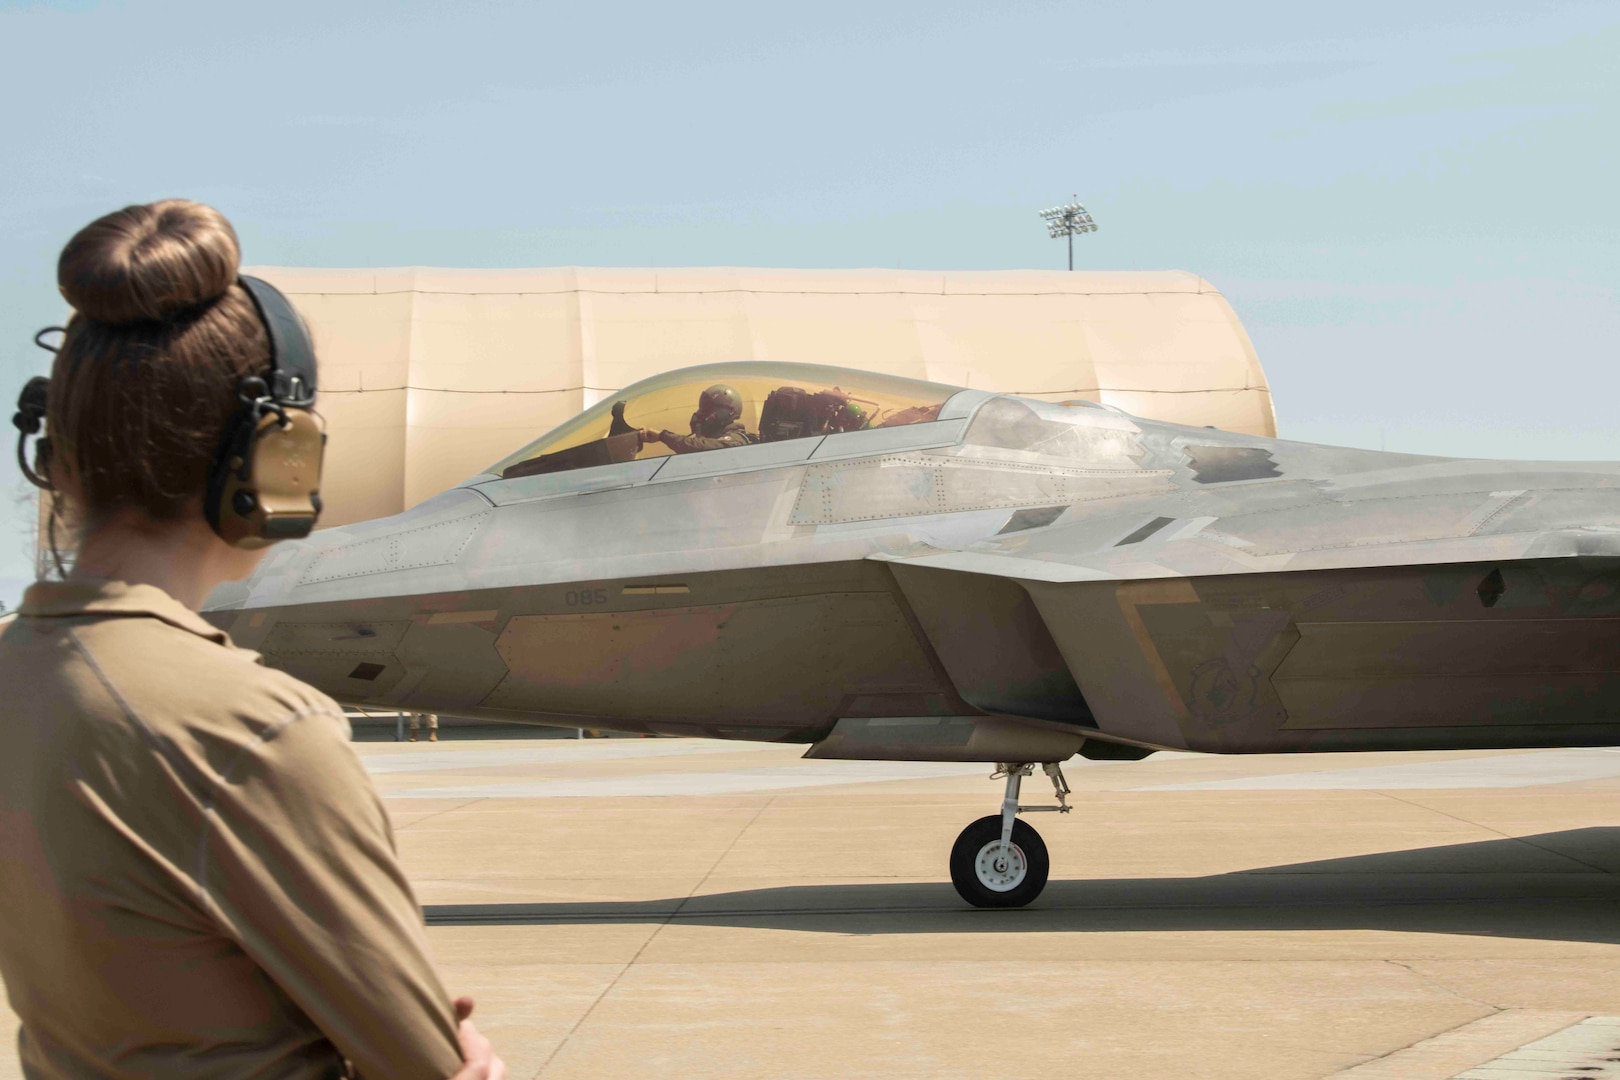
718 407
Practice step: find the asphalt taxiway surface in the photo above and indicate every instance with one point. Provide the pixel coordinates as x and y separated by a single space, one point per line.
674 908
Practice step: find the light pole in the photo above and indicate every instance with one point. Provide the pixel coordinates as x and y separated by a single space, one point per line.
1066 221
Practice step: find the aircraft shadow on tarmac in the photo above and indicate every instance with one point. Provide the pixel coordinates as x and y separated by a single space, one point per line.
1557 886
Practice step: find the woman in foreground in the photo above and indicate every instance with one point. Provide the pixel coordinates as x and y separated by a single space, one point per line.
196 876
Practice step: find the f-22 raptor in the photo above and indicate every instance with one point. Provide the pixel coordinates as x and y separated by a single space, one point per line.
890 569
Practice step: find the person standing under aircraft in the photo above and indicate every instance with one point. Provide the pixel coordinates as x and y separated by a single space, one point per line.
197 878
432 721
717 424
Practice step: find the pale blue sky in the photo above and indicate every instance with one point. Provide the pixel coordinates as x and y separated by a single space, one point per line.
1411 206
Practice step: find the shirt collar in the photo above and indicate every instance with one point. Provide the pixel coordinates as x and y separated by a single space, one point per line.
98 598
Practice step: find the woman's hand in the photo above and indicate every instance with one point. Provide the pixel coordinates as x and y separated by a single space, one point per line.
481 1062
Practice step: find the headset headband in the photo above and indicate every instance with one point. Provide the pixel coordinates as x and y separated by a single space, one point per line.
291 379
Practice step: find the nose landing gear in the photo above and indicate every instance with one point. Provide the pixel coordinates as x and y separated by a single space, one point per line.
1000 861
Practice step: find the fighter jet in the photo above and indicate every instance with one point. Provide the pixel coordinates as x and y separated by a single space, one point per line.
889 569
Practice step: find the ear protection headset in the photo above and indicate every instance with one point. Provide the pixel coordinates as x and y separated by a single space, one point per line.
266 479
29 418
264 484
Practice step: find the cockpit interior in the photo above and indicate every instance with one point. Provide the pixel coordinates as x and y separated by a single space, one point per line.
688 410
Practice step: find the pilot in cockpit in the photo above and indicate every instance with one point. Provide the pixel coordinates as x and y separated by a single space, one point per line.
716 425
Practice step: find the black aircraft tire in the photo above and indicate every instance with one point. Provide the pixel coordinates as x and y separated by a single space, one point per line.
1005 890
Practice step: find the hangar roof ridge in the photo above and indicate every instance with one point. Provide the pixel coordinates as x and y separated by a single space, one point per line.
728 279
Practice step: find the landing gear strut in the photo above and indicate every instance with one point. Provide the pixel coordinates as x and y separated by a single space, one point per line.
1000 861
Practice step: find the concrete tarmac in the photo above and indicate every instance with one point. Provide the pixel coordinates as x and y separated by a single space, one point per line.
685 909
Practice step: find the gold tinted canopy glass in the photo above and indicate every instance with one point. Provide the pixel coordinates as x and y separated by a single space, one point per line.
779 401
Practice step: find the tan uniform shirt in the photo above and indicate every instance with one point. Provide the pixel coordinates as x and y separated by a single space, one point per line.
196 875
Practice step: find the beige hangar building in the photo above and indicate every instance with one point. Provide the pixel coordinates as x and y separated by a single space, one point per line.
430 375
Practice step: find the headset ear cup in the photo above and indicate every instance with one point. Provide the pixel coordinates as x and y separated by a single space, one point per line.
286 471
267 485
29 420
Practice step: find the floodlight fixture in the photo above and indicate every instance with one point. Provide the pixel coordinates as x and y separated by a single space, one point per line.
1067 221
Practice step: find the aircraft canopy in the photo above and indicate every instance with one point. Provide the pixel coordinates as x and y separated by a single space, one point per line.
777 402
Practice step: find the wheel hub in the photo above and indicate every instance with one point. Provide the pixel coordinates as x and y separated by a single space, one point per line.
1001 869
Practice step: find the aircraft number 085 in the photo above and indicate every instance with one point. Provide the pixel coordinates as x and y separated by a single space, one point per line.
586 597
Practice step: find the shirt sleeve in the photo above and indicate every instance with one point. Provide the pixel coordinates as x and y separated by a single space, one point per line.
300 864
688 444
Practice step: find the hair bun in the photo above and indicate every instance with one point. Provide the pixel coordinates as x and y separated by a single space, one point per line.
149 263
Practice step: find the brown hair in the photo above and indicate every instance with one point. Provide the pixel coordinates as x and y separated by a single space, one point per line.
147 374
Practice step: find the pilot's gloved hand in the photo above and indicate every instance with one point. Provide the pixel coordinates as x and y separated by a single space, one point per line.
648 435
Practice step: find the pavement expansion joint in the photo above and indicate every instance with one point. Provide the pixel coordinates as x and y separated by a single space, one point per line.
1508 1044
663 922
1589 1050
